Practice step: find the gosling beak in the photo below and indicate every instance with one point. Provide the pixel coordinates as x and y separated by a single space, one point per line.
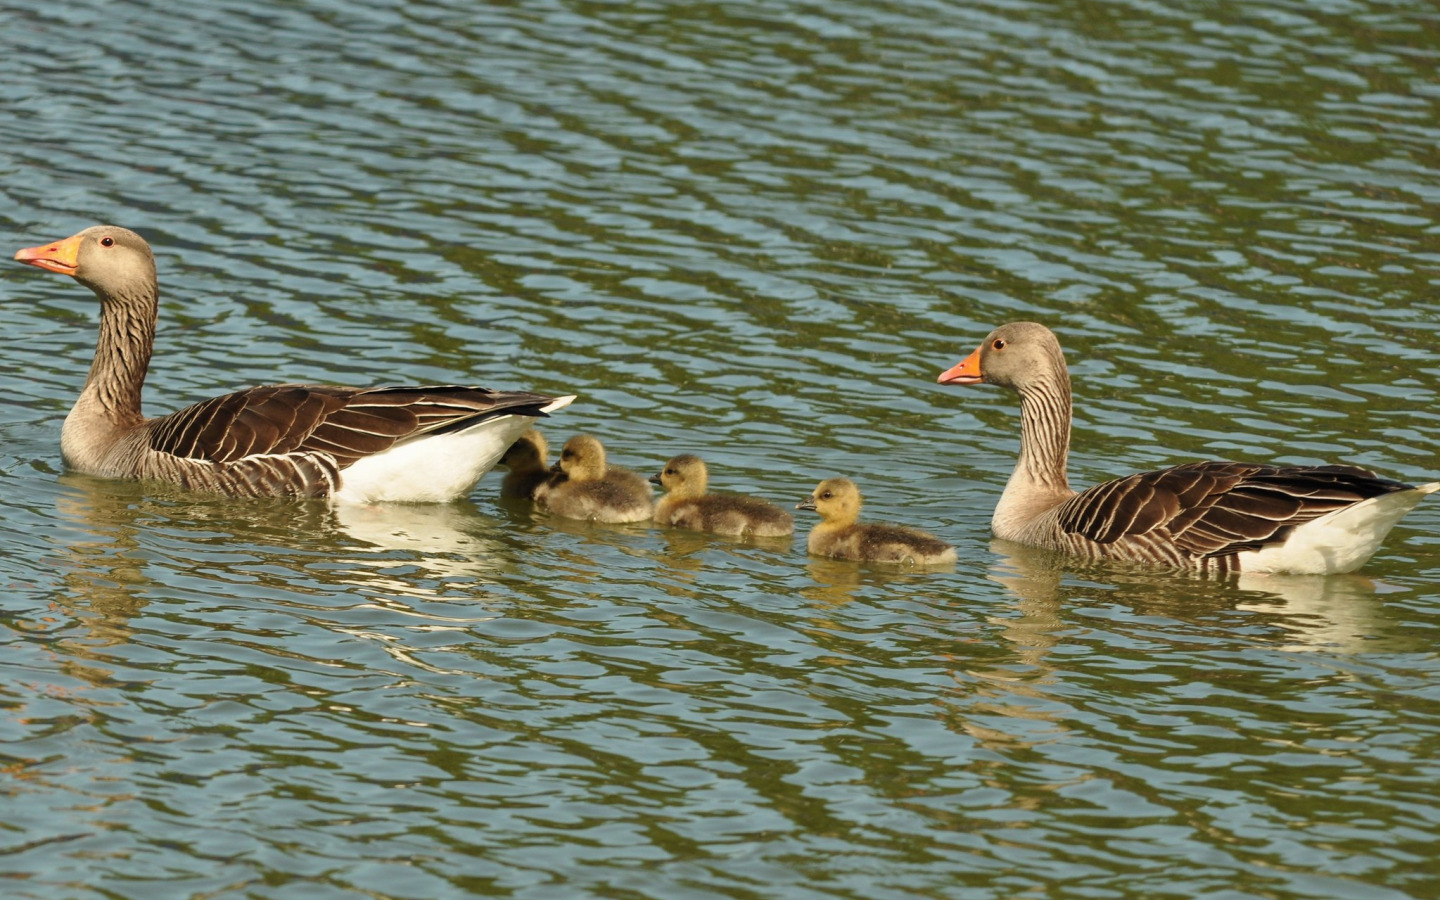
807 503
967 371
61 256
655 479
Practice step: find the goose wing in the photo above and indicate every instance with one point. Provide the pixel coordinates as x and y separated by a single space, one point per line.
1217 508
344 423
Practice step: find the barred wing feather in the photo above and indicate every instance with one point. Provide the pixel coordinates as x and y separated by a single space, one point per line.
1217 508
343 423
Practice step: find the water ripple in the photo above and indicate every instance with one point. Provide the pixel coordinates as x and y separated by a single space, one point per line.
757 234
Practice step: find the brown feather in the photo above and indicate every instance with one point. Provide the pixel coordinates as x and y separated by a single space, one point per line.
346 423
1216 508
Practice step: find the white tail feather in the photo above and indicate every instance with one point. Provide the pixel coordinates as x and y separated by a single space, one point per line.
436 468
1339 542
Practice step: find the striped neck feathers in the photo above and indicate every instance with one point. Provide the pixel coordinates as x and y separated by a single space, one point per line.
122 353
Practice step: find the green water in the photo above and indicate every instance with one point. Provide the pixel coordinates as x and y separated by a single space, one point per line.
756 232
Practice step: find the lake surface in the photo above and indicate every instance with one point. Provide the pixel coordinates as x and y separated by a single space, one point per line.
756 232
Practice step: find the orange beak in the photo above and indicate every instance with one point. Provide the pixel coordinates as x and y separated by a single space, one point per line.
967 371
61 256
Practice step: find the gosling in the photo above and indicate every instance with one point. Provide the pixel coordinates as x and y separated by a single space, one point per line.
526 460
840 536
582 486
687 505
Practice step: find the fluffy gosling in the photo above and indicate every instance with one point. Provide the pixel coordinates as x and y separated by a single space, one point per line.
526 460
687 505
841 536
582 486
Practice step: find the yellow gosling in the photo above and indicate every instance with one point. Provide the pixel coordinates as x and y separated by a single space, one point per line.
526 460
687 504
583 486
840 535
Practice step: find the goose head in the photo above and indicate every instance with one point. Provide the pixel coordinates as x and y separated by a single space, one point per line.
683 477
582 459
837 500
1017 356
111 261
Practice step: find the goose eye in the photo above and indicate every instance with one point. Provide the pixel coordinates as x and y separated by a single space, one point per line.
825 496
107 242
999 344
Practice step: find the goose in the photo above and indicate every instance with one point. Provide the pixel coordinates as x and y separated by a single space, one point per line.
528 470
841 536
427 443
687 505
1212 517
583 486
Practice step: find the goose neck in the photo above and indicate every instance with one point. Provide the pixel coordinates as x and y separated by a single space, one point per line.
1044 435
122 354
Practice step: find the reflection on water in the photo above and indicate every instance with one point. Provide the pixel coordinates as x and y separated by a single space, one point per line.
755 232
1299 612
268 549
1343 613
438 542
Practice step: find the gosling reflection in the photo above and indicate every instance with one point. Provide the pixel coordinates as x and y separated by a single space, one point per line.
833 582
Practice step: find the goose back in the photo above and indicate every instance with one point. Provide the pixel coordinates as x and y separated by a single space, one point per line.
300 440
1202 515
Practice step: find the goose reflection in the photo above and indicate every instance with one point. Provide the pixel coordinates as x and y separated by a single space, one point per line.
123 545
98 563
1032 575
439 540
1327 612
1303 612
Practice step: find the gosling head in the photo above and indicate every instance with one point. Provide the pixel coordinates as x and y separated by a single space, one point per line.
837 500
527 454
582 459
684 477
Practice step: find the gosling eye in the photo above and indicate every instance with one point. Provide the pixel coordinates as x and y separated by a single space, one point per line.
107 241
999 344
826 496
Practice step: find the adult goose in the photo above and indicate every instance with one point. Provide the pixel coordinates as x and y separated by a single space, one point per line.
1215 517
408 444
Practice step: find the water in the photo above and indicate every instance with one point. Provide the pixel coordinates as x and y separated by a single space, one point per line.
756 232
